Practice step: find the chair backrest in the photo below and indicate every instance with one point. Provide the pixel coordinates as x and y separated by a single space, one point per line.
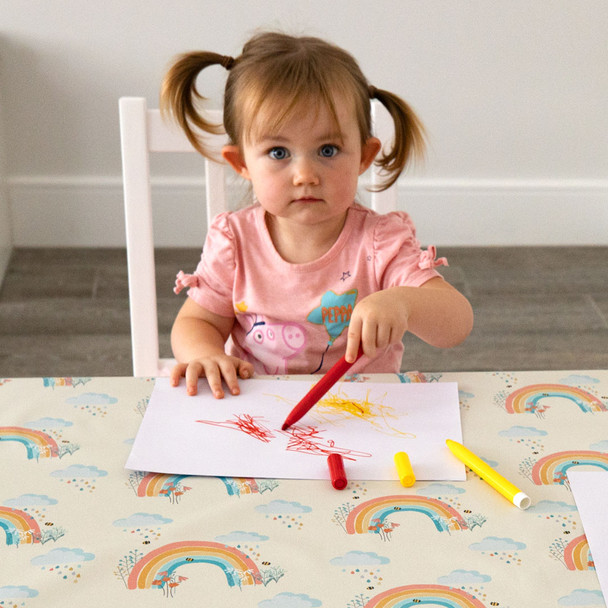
143 131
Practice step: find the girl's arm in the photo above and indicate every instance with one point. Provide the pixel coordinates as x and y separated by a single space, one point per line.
436 312
197 339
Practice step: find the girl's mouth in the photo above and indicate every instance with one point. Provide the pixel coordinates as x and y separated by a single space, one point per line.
307 199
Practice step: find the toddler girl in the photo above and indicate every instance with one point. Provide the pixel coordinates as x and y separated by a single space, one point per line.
306 274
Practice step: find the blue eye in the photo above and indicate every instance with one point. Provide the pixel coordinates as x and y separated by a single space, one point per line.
328 150
278 153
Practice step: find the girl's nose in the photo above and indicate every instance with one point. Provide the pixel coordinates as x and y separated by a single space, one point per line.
305 173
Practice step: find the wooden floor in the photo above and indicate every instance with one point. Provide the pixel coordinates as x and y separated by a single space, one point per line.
65 312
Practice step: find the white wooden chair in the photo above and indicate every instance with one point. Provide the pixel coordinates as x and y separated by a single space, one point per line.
143 131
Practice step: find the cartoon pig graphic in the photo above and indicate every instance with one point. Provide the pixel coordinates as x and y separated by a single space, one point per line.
274 343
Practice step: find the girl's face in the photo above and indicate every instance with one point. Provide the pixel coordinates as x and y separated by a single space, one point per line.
306 172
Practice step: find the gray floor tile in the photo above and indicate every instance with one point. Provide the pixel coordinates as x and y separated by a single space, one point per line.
61 355
535 313
64 316
65 311
599 301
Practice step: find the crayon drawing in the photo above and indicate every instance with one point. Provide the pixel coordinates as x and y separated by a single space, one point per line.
247 424
308 440
241 436
338 407
305 440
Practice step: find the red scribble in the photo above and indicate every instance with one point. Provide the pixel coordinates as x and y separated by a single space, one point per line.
307 440
247 424
303 439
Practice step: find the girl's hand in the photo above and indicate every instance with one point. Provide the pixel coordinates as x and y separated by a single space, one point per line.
378 321
214 368
435 312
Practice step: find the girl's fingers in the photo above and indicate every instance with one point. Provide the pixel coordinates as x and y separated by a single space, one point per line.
369 339
177 372
353 340
244 369
225 369
383 336
193 371
228 371
214 379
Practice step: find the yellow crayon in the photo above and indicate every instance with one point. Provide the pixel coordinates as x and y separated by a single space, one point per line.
404 469
489 475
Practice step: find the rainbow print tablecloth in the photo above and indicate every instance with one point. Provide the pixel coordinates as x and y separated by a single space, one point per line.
77 528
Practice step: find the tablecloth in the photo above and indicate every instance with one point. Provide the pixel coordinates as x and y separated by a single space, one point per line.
78 529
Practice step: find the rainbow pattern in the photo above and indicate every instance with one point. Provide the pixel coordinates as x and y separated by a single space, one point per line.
37 443
235 486
553 468
527 398
69 381
158 484
577 555
161 563
416 595
365 517
19 526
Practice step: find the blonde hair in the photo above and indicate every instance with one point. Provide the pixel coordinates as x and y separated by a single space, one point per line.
278 74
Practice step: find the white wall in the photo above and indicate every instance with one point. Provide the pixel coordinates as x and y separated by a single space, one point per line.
513 95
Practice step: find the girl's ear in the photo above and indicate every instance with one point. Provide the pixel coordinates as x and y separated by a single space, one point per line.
233 156
369 151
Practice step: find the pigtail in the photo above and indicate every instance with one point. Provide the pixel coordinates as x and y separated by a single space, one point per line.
179 94
409 142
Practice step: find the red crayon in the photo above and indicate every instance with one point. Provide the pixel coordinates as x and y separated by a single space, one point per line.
319 389
336 471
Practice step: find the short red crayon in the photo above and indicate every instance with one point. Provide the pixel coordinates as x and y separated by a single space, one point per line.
336 471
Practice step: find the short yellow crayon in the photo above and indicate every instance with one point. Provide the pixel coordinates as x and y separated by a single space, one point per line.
404 469
489 475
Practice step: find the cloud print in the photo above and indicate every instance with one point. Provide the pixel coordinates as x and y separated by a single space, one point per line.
14 592
551 506
80 471
579 379
62 556
493 543
582 597
150 520
359 558
238 536
49 423
290 600
600 446
440 489
30 500
92 399
522 431
283 506
456 578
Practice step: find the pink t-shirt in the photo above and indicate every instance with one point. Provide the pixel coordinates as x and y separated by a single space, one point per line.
293 318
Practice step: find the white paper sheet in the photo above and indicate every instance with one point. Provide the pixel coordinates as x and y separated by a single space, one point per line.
241 436
590 491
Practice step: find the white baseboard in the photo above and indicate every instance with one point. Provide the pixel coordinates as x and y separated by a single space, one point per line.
87 211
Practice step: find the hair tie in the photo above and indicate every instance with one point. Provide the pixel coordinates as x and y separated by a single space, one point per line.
227 62
373 91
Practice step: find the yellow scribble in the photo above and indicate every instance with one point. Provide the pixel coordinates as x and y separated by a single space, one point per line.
334 407
361 408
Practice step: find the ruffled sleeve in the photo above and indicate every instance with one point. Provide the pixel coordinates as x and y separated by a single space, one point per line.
399 258
211 284
428 259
